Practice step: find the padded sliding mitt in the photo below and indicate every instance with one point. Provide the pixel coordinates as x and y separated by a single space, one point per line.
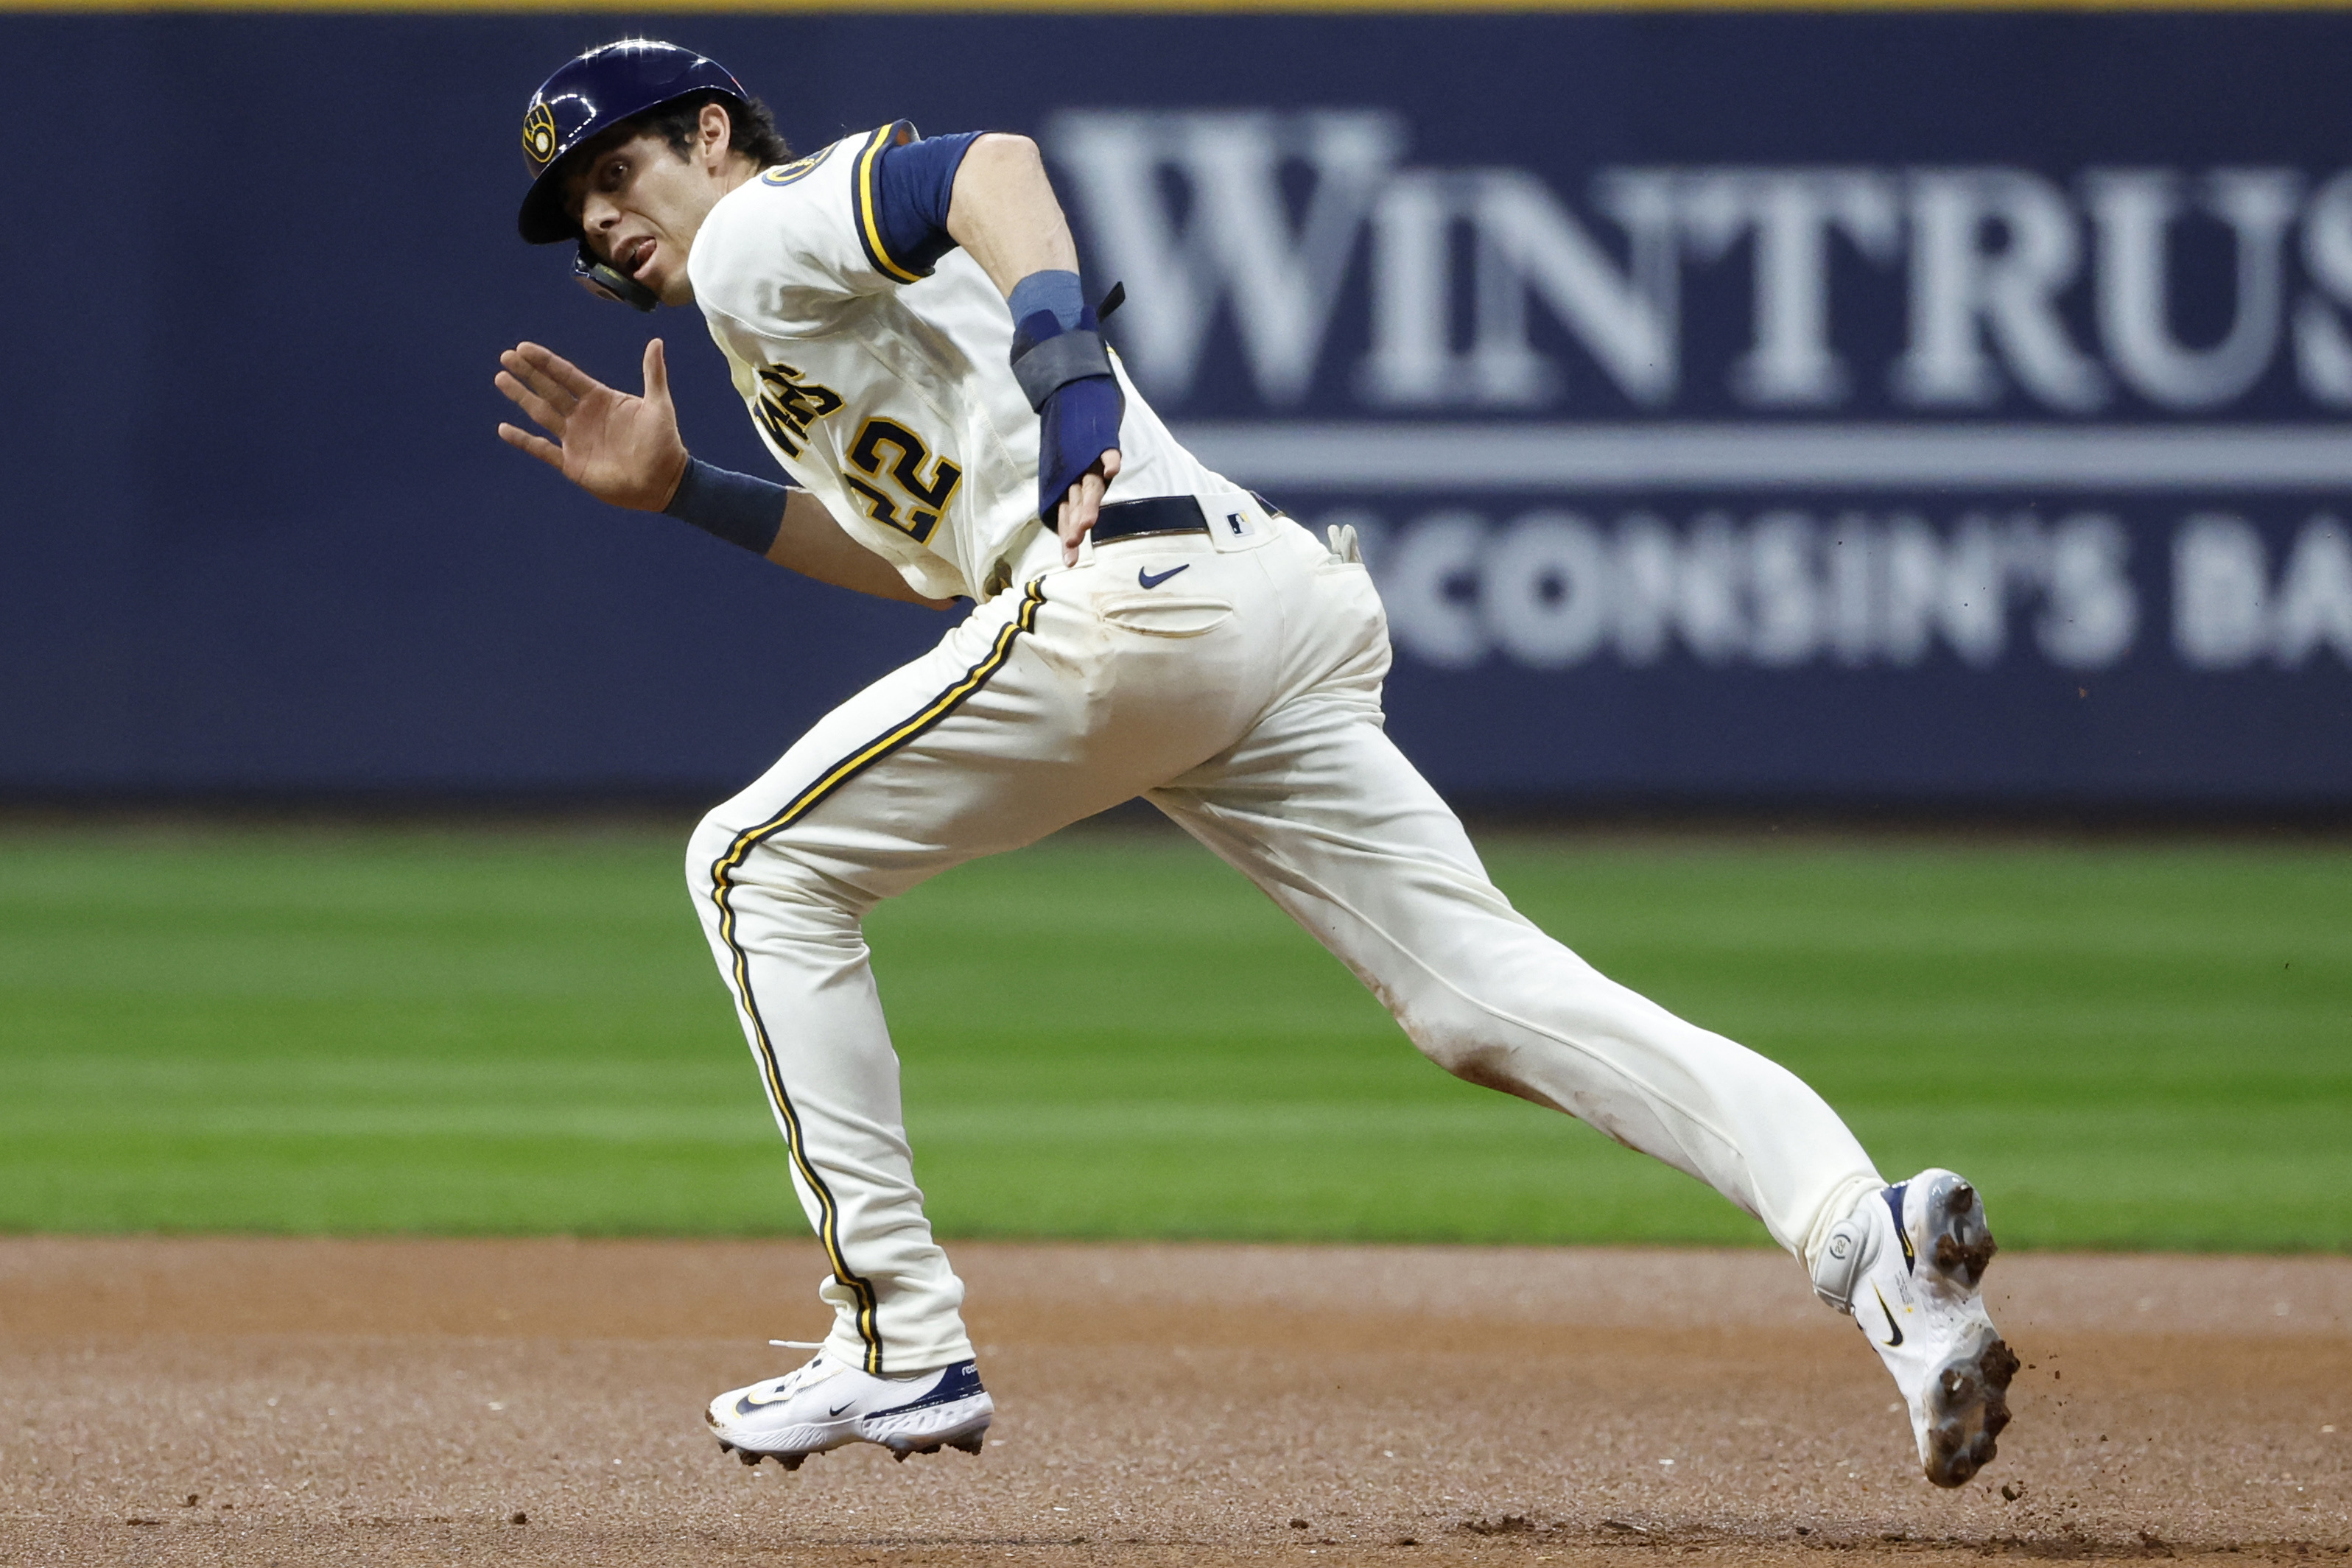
1066 373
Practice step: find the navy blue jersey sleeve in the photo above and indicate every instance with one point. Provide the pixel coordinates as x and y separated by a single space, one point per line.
902 190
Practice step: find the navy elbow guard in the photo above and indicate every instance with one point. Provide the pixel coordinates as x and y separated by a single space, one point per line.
733 506
1066 373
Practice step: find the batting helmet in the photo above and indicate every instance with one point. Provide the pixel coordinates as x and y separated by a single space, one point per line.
590 95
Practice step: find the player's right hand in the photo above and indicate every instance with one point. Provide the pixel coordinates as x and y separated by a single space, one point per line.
618 448
1082 505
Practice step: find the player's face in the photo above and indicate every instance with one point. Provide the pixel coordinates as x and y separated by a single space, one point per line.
641 204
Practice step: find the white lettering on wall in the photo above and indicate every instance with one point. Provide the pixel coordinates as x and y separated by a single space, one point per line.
1527 247
2220 587
1791 215
1553 588
2135 209
2322 355
2229 614
1530 247
1240 246
1550 589
1489 288
1969 294
2090 614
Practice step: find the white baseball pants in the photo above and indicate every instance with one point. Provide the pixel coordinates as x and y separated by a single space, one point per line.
1241 696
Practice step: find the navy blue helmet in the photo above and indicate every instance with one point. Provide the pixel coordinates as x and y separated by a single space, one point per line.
590 95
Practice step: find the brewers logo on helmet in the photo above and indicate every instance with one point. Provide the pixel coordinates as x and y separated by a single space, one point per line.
539 137
590 95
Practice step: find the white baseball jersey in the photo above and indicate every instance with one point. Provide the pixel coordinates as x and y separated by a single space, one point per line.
888 394
1236 685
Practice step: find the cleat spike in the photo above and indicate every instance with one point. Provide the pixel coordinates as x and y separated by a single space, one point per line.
970 1445
791 1461
749 1458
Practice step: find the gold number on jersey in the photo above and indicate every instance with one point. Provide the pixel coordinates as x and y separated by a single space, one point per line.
917 510
789 404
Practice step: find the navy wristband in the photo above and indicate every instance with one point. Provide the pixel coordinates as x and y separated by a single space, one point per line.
736 507
1066 373
1054 289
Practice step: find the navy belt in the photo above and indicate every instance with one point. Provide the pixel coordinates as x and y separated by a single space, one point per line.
1156 514
1159 515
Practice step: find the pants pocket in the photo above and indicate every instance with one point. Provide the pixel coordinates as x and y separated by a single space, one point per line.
1164 614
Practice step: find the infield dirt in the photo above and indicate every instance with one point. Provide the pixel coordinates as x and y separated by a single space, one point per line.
538 1402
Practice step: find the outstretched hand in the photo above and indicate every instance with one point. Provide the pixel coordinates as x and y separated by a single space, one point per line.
618 448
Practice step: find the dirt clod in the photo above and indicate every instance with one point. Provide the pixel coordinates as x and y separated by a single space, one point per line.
1509 1524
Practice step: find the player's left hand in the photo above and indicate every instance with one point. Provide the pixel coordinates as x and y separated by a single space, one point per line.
1082 503
618 448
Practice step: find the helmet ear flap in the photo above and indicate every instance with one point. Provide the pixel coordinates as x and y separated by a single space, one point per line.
607 282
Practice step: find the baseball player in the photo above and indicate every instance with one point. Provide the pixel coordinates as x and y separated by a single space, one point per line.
904 319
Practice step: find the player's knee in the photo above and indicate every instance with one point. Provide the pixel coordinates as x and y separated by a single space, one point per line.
712 842
1433 1018
1459 1045
1492 1067
726 857
1457 1051
725 853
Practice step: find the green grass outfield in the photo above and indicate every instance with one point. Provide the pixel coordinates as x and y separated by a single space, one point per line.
1112 1035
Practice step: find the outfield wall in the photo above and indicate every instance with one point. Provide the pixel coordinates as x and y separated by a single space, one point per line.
1919 407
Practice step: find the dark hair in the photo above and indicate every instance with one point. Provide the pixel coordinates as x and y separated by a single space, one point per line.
754 130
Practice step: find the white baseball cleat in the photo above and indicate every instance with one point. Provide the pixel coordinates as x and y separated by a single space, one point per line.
1907 1264
825 1405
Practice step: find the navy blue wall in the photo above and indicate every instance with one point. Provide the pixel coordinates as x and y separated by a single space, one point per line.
256 532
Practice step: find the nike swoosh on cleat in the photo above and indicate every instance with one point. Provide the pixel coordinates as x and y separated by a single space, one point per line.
1145 579
840 1408
1892 1326
1893 1196
746 1405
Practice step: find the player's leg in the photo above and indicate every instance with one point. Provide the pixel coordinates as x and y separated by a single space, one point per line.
1027 717
1321 810
1318 806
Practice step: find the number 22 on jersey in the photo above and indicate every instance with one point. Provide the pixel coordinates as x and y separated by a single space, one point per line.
921 500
